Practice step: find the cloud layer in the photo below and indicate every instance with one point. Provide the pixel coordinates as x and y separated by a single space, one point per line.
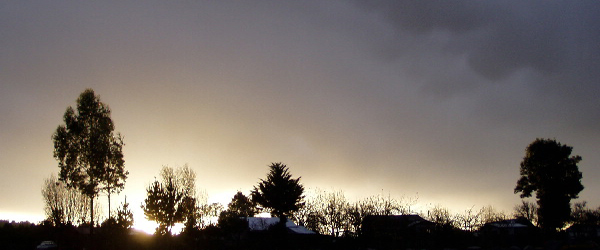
431 97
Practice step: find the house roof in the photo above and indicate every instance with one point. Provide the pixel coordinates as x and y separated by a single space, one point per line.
513 223
262 223
375 224
406 219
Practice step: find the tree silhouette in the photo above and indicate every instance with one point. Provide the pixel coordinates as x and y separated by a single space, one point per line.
115 232
279 193
115 171
186 179
470 220
328 213
63 205
170 200
527 210
160 206
242 206
124 216
231 220
549 169
311 214
490 214
585 216
442 217
87 150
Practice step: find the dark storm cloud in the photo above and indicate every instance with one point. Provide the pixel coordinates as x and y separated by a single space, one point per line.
356 95
507 36
550 49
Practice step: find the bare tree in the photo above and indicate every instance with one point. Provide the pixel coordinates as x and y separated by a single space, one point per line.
442 217
63 205
311 214
334 211
206 214
490 214
329 212
527 210
54 194
380 205
470 220
581 214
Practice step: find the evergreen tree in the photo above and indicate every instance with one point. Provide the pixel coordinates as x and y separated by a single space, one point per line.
279 193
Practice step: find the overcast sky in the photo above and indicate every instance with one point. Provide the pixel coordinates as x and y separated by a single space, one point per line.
430 99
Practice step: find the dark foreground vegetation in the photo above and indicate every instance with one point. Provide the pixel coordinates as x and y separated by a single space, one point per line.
379 232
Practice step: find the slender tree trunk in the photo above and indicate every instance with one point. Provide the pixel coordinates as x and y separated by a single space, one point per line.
109 203
92 215
333 230
282 222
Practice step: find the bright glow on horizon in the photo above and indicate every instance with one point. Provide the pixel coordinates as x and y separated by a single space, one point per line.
140 222
177 228
144 225
149 227
19 217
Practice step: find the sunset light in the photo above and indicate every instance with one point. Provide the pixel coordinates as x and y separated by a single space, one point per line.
429 112
144 225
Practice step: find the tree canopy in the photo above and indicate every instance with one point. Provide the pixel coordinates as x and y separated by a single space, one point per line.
232 219
242 206
279 193
549 170
88 151
171 199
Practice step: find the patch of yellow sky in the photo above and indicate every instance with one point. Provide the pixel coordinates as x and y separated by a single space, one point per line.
140 222
224 197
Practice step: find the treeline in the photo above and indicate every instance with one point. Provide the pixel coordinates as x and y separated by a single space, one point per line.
325 212
91 162
172 198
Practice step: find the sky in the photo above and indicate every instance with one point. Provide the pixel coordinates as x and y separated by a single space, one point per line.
434 100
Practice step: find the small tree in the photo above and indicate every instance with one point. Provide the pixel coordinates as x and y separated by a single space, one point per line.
549 169
159 206
242 206
124 216
115 231
231 220
279 192
169 200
